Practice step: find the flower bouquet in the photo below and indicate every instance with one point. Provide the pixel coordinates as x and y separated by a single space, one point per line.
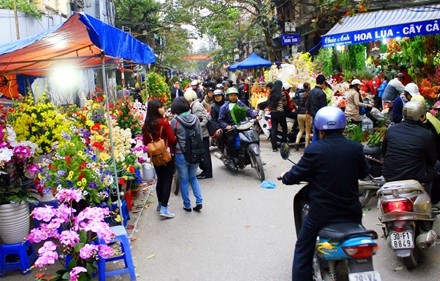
16 167
38 121
75 165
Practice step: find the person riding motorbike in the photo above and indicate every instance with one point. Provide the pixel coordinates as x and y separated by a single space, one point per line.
332 167
219 100
409 149
227 120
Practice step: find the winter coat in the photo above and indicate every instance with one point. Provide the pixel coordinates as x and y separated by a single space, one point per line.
409 151
332 167
179 130
316 100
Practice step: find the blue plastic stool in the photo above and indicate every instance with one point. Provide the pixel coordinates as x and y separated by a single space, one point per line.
16 256
122 238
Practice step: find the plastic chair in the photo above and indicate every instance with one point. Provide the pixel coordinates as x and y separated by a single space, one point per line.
122 238
16 256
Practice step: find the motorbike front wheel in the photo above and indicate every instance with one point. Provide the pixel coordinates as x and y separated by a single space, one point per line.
257 164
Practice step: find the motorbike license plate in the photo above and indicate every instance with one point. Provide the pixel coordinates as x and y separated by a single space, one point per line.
364 276
402 240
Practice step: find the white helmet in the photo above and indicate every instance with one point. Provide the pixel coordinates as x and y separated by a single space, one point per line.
412 89
190 95
286 86
194 82
413 110
356 82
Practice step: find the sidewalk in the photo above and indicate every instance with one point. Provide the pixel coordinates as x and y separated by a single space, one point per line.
139 205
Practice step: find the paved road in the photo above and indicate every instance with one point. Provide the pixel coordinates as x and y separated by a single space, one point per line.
244 233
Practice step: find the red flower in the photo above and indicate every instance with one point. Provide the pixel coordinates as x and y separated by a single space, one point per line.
98 146
83 165
96 127
131 169
122 182
68 159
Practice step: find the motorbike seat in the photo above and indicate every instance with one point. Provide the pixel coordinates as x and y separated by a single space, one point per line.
341 231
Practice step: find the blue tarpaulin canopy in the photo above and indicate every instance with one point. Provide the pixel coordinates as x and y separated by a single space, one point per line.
81 40
253 61
384 24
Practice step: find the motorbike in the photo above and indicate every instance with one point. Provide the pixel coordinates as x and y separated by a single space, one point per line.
265 125
248 146
371 184
344 251
408 218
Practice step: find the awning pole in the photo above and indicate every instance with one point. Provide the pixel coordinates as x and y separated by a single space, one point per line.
109 123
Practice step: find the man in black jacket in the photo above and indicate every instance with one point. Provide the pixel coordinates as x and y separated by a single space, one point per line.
316 101
332 167
176 91
409 149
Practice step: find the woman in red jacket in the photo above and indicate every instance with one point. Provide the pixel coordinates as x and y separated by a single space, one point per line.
155 122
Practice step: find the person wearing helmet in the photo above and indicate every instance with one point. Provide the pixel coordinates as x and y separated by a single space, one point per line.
195 85
219 100
332 167
410 91
409 149
209 99
393 89
354 103
226 121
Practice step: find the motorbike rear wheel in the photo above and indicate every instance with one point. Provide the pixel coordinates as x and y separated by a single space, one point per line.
365 196
257 164
342 271
411 261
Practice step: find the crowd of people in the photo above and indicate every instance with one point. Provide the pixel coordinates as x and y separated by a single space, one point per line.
330 163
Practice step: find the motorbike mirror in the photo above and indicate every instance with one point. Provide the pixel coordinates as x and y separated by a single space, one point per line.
285 151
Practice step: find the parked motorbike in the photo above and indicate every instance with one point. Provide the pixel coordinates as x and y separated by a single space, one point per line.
266 126
408 219
344 251
371 184
248 147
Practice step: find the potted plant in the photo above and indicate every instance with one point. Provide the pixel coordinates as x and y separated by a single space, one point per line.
15 188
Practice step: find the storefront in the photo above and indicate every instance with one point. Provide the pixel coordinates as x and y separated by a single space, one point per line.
384 24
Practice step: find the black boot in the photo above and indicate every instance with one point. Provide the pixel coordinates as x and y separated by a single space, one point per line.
296 146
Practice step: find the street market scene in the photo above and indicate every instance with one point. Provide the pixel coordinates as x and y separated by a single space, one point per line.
219 140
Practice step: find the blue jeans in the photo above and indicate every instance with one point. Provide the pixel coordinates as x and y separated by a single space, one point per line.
188 175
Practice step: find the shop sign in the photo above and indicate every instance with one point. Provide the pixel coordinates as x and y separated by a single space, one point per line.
387 32
290 39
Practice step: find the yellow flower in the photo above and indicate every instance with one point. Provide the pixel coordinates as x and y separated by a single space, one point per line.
79 183
104 156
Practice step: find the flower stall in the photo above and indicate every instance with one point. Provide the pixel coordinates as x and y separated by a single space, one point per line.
76 154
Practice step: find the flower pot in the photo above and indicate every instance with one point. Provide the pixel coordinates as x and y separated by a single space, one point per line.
135 193
14 222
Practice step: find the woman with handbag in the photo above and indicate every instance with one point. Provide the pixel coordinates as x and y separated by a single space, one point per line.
156 127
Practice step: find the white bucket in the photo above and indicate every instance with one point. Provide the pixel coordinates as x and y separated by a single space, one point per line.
147 172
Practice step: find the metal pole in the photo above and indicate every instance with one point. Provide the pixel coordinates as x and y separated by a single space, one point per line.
109 123
17 28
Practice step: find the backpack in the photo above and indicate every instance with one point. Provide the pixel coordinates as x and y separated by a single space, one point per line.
158 151
194 148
